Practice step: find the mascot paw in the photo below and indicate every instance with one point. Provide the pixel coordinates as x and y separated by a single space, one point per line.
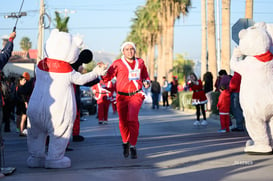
65 162
258 150
36 162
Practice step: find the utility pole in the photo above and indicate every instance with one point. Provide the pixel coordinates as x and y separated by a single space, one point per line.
41 32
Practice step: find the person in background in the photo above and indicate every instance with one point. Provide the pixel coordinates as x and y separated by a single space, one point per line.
223 106
131 74
236 110
155 89
165 92
5 54
174 88
222 78
103 95
23 92
208 88
199 99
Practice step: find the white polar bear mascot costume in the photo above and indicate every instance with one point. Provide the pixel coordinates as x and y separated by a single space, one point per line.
256 92
52 107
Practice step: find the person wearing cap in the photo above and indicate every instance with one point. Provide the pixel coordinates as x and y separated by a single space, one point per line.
23 94
131 74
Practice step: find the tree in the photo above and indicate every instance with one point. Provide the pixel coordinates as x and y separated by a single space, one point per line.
90 66
170 10
212 62
25 44
61 23
249 9
225 53
182 67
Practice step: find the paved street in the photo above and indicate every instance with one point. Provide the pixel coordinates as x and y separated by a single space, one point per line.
169 148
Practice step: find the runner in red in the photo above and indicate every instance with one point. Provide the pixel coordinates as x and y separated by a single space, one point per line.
131 74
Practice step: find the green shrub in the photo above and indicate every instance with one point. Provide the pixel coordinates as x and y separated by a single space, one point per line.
215 96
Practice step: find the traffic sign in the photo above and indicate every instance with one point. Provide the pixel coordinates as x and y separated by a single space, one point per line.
242 23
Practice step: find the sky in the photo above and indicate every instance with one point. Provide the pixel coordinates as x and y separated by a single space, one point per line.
105 24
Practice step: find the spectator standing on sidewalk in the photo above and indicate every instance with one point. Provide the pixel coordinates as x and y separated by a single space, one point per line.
198 98
208 88
131 74
165 92
223 106
155 89
236 110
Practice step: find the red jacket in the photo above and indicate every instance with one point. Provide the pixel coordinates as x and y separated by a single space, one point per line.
198 96
103 91
121 71
235 82
224 102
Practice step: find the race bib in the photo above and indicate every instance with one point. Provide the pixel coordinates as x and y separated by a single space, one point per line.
134 74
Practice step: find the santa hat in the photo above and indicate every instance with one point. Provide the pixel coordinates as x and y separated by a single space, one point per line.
127 43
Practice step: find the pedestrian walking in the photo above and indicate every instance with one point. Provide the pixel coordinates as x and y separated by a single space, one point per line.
131 74
155 90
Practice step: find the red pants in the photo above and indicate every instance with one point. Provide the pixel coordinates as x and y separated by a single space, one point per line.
225 120
76 126
128 108
103 108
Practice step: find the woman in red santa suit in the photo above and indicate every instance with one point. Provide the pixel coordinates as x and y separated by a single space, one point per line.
103 95
199 99
131 74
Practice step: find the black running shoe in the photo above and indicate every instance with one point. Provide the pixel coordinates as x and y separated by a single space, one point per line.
126 147
133 152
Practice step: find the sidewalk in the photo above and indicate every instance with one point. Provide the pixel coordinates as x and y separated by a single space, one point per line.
169 148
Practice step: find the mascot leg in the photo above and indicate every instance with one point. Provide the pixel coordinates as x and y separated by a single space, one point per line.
257 131
36 146
56 149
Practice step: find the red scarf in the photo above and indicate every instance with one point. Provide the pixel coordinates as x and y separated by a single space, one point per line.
266 57
56 66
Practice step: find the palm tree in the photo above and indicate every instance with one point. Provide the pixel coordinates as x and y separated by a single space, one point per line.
212 63
25 44
225 43
249 9
204 68
170 10
61 23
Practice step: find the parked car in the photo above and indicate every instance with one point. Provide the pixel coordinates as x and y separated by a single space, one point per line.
88 102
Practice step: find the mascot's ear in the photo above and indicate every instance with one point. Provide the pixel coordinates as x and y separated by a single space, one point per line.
86 56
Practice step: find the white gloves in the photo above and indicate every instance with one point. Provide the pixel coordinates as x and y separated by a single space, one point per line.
100 70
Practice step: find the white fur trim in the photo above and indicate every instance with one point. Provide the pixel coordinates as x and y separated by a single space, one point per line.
127 43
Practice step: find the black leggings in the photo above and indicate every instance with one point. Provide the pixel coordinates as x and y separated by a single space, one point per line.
202 106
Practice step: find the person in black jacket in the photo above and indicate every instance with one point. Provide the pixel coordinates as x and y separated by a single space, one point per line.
208 88
4 57
155 89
